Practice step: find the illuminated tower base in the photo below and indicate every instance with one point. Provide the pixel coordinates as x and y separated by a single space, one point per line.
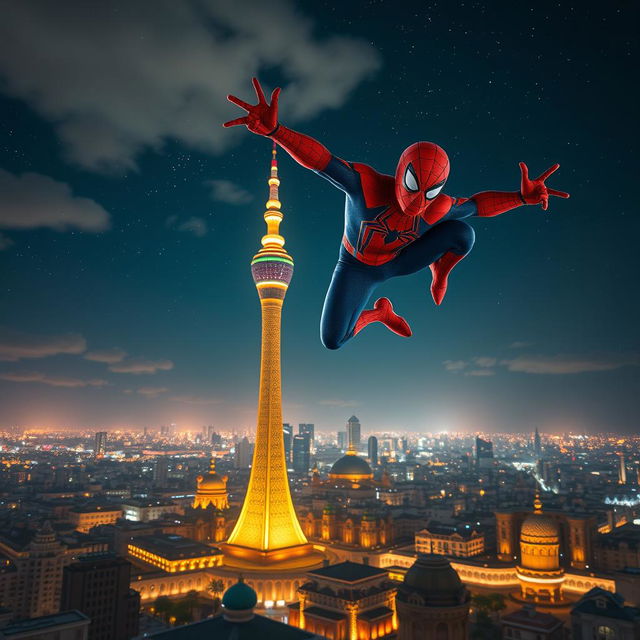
268 532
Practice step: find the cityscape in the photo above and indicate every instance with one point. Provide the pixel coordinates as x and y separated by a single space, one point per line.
182 461
285 532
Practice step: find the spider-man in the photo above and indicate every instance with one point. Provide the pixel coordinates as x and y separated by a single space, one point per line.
393 226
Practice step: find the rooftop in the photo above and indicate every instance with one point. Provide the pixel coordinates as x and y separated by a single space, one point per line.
221 629
173 547
348 572
44 622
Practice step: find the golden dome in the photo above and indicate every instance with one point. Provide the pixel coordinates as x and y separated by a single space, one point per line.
539 526
211 489
351 467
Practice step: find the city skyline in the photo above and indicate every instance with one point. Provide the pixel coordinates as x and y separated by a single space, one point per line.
133 307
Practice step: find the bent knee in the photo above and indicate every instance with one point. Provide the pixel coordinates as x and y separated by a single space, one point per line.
331 339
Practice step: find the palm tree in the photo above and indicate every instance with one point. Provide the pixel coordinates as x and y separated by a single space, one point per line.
216 587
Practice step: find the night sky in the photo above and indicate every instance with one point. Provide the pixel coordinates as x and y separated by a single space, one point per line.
128 216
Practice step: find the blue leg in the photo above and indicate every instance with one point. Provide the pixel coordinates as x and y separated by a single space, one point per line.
452 235
350 289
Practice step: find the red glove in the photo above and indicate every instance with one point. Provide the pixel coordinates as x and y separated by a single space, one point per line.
262 119
493 203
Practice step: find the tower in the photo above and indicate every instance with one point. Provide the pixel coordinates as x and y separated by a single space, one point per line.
622 470
267 529
372 446
539 573
537 445
100 447
353 432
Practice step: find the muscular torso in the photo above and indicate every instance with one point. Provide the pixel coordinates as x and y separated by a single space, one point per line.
375 228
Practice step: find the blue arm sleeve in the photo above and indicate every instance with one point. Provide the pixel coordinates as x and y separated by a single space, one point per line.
341 174
463 208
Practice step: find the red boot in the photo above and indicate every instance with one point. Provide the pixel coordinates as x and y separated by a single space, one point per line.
383 312
440 271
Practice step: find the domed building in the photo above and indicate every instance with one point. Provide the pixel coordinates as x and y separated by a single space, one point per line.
351 469
211 490
539 572
432 603
238 602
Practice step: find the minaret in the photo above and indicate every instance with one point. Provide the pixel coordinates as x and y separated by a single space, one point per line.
268 529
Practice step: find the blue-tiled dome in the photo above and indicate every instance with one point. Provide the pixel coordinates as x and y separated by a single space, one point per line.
239 597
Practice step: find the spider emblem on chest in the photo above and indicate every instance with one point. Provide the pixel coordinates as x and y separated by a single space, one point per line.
381 227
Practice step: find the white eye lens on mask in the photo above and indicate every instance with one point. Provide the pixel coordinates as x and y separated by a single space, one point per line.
410 181
432 193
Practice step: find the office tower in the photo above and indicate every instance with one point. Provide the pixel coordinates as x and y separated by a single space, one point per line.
100 447
267 529
98 586
161 471
287 432
215 439
622 470
301 453
343 441
372 447
243 454
537 445
165 430
309 429
484 453
353 432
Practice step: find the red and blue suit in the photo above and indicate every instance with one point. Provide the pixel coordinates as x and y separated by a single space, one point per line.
394 225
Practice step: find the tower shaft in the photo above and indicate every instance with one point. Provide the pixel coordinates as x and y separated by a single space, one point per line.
268 529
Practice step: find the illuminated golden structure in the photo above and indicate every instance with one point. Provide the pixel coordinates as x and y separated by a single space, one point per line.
211 490
540 575
268 530
173 553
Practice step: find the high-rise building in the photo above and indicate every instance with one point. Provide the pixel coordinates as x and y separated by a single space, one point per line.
372 447
243 454
287 433
353 432
100 447
309 429
161 471
537 445
98 586
301 453
622 470
484 453
343 441
267 530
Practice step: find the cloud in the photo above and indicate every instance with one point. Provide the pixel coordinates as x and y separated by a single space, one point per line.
141 365
565 365
455 365
481 373
32 200
338 402
109 356
542 364
195 225
196 400
116 78
520 344
53 381
229 192
152 392
15 345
